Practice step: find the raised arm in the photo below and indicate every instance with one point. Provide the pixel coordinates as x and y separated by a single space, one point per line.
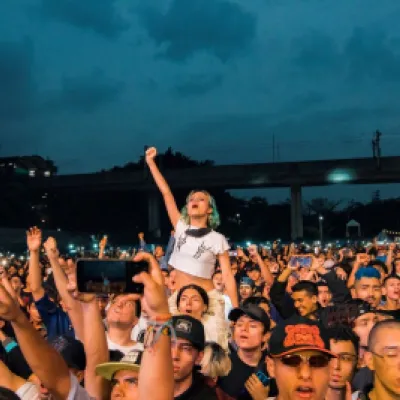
228 278
34 241
163 186
44 361
156 365
96 350
60 279
265 272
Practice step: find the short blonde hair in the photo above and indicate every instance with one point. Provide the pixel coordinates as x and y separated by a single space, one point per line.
213 219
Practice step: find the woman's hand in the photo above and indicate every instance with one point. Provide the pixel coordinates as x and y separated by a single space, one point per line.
151 154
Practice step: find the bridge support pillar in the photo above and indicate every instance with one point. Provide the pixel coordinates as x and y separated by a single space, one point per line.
154 214
296 213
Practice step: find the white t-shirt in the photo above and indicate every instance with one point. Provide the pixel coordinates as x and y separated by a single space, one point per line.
123 349
197 256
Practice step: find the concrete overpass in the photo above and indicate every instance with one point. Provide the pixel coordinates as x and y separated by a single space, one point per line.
293 175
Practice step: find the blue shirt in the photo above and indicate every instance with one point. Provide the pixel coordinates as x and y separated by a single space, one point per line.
54 318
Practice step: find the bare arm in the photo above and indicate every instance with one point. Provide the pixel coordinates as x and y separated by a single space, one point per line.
34 241
265 272
169 200
96 350
72 305
228 278
156 365
40 356
8 379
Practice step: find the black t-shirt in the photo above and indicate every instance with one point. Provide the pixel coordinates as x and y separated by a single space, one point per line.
363 380
198 391
233 383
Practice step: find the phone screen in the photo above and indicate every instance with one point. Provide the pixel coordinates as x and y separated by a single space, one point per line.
109 276
301 261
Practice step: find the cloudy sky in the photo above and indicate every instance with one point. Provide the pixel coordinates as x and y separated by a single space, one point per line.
88 83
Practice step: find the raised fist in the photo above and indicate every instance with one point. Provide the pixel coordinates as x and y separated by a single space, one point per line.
151 154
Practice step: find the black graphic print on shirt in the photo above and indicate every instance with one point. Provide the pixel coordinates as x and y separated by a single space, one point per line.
201 250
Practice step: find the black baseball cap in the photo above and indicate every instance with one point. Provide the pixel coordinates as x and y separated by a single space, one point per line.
191 329
299 334
253 311
72 351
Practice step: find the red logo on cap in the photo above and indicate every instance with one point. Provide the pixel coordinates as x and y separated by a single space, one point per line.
303 335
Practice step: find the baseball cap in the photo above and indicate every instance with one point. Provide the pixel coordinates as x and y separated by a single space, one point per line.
246 281
298 334
130 362
253 311
191 329
71 350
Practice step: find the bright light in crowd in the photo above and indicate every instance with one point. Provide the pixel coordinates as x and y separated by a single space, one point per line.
47 174
4 263
340 176
22 258
71 246
248 244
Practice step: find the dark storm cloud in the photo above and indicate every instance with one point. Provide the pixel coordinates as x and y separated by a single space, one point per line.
100 16
315 52
216 26
370 56
17 83
198 85
85 94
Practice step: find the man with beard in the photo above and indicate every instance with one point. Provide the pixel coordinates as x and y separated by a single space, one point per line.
368 286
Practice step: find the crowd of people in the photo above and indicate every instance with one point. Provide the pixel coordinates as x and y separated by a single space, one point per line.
212 322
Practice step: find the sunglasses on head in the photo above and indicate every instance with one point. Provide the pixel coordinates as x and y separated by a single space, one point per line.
314 361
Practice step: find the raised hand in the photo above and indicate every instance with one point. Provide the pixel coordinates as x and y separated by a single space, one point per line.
151 154
154 300
50 245
34 238
9 308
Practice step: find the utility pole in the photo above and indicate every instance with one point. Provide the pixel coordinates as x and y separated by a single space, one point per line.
376 148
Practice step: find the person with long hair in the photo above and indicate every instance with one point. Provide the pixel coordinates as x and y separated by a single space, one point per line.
197 246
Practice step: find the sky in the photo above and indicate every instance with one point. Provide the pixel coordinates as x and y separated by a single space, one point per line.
90 83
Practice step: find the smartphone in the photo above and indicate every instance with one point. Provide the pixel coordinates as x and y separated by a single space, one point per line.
264 379
233 254
109 276
302 261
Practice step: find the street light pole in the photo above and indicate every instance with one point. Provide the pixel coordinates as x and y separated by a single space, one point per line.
321 228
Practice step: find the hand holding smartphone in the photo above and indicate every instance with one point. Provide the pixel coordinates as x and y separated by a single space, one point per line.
109 276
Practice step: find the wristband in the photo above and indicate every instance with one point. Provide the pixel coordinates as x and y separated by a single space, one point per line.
155 330
10 345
